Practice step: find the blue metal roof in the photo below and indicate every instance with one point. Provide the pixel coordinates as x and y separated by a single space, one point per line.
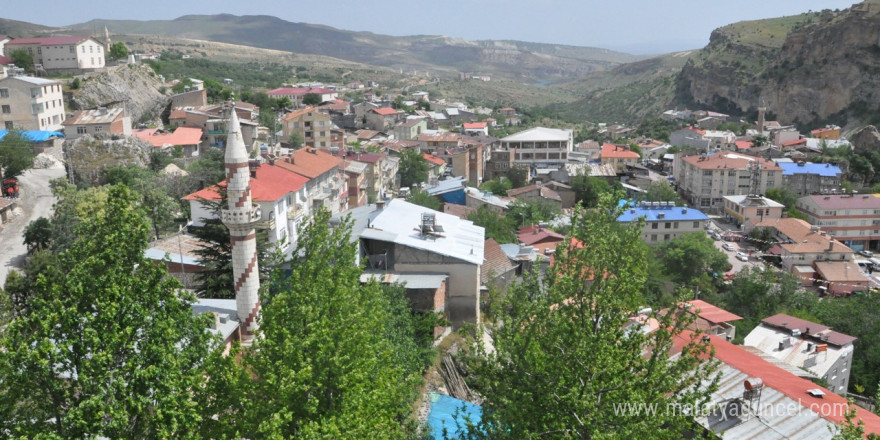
670 213
35 135
822 169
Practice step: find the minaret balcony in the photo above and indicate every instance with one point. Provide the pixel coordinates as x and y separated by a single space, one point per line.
241 216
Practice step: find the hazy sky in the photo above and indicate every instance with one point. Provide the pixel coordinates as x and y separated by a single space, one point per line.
635 26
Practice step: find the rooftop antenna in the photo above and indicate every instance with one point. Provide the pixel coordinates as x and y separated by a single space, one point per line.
754 169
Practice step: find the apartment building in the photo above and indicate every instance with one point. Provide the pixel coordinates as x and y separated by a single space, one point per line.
61 54
747 211
665 221
618 156
312 125
327 186
853 219
29 103
806 178
539 145
705 179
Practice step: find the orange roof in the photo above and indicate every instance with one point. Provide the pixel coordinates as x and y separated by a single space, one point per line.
434 159
297 113
177 113
710 312
611 151
181 136
474 125
309 162
783 381
385 111
794 142
744 145
730 161
270 184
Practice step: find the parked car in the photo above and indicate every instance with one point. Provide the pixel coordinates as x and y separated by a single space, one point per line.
866 253
742 257
727 246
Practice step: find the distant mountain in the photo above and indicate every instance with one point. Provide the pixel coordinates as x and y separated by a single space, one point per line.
511 59
22 29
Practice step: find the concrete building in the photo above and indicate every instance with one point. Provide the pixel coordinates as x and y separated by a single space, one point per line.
806 178
540 146
356 174
296 94
499 164
441 244
665 221
326 187
814 348
410 128
382 118
854 219
29 103
705 179
311 125
801 244
101 120
711 319
61 54
747 211
620 157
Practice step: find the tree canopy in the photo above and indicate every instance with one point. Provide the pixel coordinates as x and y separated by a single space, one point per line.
110 347
413 168
15 154
118 51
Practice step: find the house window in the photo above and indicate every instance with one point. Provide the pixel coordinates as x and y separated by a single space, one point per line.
6 109
8 125
98 128
653 225
4 93
666 236
91 49
83 49
696 225
666 225
72 49
81 130
675 225
653 237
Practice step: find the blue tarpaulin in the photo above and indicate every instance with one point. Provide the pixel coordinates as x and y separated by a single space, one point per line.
452 415
35 135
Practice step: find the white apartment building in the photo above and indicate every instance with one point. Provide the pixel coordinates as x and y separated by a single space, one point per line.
64 54
539 145
853 219
28 103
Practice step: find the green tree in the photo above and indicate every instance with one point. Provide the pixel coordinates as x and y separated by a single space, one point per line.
762 237
295 140
856 316
15 154
588 189
23 59
118 51
787 197
852 428
311 99
498 226
323 366
519 176
662 191
38 234
74 206
112 348
532 211
755 295
421 197
497 186
690 256
567 350
413 168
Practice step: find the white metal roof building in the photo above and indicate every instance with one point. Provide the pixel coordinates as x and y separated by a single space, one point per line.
540 145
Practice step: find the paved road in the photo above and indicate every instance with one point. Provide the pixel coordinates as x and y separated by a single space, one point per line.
35 201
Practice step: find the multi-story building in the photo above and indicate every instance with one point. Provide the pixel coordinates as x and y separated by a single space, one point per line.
357 183
814 350
540 146
212 120
61 54
410 128
382 118
854 219
311 125
665 221
829 132
101 120
800 246
28 103
499 163
296 94
806 178
620 157
705 179
326 187
747 211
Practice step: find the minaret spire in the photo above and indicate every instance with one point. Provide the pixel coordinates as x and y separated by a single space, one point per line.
240 216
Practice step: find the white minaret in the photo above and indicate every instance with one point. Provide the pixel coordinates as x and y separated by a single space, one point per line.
240 216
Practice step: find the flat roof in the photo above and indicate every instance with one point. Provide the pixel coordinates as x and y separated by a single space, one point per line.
539 134
669 213
821 169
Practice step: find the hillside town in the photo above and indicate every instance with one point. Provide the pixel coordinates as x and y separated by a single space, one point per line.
738 252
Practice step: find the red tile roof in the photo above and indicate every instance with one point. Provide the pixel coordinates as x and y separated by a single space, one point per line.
434 159
474 125
617 152
530 235
177 113
732 161
297 113
181 136
309 162
711 313
385 111
48 41
795 142
744 145
783 381
271 184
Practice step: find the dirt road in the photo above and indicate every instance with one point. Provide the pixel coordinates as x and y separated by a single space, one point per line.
35 201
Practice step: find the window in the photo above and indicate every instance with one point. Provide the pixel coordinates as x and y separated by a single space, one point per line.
4 93
654 225
81 130
6 109
98 128
653 237
666 236
696 225
8 125
91 49
667 225
675 225
72 49
83 49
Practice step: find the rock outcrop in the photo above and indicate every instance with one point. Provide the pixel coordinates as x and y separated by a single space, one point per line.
136 86
866 139
826 66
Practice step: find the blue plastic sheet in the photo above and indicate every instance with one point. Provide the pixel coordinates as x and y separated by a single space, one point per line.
451 415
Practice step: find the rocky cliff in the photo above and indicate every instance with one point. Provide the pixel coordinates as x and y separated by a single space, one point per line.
135 86
808 69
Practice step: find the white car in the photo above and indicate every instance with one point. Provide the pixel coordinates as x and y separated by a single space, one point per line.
727 246
742 257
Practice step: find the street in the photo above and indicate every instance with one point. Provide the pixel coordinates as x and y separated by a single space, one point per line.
35 201
737 247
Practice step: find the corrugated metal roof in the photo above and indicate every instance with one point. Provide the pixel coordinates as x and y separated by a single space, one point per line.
539 134
821 169
398 223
